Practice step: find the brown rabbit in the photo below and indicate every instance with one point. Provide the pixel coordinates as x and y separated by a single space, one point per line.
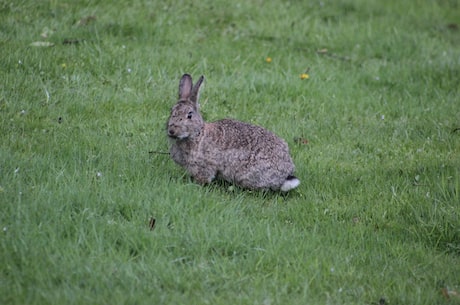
244 154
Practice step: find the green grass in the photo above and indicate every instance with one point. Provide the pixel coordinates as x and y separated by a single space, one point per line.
376 215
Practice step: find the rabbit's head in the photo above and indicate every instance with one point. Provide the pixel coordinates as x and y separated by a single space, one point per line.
185 121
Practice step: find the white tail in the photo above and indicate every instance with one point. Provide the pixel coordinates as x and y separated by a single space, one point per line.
290 183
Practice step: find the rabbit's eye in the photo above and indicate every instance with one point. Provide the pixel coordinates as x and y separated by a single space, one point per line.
189 115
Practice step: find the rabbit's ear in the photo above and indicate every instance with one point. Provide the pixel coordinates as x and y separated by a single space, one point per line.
195 94
185 87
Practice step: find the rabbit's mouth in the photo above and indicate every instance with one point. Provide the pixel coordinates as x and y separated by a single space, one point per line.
183 135
174 137
178 137
173 134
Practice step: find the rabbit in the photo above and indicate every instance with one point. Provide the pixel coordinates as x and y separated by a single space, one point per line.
246 155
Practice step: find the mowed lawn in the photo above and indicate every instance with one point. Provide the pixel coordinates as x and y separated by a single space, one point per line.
366 94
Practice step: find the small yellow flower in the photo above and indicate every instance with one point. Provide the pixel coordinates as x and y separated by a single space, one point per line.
268 59
304 76
63 66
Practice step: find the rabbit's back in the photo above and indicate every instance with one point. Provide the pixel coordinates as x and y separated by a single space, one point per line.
232 134
248 155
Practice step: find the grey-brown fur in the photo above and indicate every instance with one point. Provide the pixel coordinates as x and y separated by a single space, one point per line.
244 154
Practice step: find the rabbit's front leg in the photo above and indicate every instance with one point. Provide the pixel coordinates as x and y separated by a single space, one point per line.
202 175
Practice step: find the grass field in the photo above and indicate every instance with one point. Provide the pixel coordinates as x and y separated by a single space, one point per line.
85 92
